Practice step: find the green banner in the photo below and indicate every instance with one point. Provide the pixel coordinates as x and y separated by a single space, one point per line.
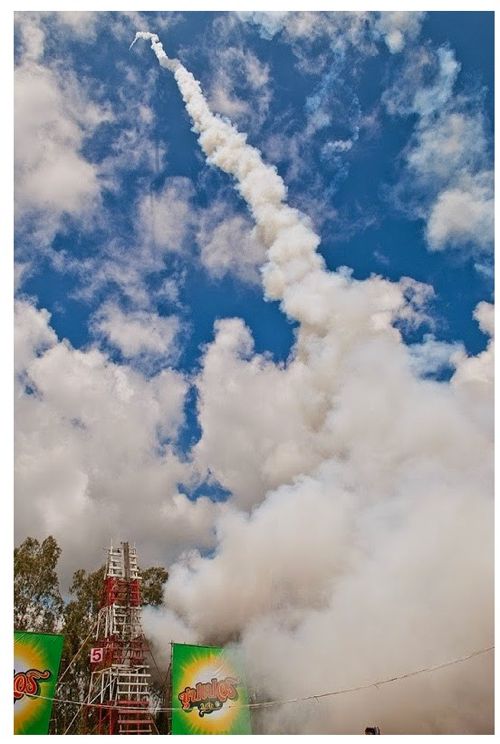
36 666
208 692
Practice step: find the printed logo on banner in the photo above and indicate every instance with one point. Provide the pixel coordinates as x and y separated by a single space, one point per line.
209 695
27 683
36 666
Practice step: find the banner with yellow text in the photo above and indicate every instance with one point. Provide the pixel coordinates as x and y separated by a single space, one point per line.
208 692
36 666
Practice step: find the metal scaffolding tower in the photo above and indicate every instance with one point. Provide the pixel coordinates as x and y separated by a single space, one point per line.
119 693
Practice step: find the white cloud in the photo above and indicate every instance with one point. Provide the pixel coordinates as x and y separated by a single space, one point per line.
163 223
431 99
432 356
138 333
21 271
91 457
269 23
342 29
82 24
229 244
476 373
238 69
169 222
485 316
33 334
463 214
134 147
425 83
53 117
57 113
398 26
32 36
448 158
78 24
124 24
165 218
443 149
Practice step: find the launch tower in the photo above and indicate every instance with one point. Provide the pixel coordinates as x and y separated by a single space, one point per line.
119 692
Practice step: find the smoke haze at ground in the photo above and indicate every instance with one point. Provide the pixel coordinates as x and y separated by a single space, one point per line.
358 543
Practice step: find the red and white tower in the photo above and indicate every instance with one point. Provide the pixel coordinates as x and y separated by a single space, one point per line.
119 692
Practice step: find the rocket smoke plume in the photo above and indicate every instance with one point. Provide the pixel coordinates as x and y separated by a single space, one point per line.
358 542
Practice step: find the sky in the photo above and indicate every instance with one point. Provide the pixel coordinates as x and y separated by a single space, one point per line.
266 358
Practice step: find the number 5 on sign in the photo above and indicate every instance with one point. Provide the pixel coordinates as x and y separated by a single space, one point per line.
96 655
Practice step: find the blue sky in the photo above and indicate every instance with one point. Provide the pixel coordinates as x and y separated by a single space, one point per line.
142 228
267 361
352 194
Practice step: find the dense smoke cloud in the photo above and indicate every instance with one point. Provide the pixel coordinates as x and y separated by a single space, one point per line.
358 543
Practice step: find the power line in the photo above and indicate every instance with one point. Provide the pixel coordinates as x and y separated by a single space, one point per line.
387 681
269 703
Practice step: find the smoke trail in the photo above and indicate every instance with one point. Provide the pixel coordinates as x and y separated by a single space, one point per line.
294 272
286 232
368 551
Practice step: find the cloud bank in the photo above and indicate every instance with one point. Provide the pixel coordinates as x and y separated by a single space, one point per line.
449 178
95 447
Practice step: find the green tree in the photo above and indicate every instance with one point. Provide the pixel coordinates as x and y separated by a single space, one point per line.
37 601
153 580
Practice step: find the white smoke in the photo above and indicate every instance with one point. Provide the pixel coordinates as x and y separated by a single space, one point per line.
363 546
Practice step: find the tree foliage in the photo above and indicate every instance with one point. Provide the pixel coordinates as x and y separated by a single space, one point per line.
79 616
152 583
37 600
